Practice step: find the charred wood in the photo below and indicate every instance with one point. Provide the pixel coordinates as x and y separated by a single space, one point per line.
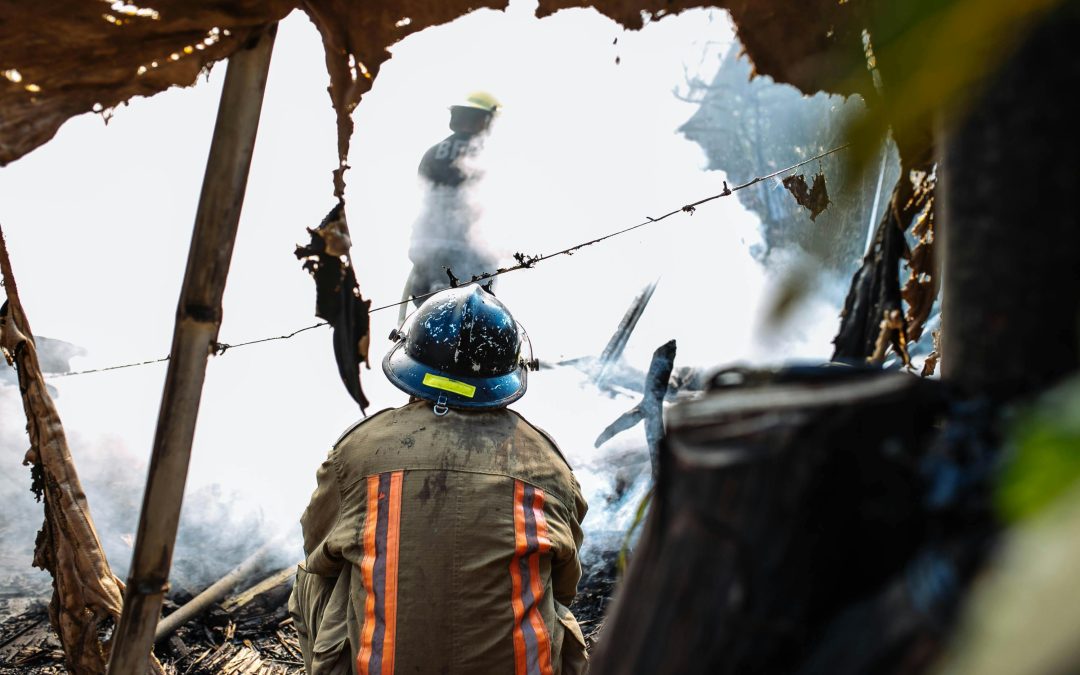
651 408
875 288
614 349
212 594
29 645
595 590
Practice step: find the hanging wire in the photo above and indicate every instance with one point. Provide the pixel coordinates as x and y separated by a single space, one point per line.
524 262
102 370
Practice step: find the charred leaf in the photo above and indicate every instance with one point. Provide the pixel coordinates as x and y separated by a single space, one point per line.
337 297
814 198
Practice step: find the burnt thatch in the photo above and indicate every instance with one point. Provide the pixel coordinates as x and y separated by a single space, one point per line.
68 57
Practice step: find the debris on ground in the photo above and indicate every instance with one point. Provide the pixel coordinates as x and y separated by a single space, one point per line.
249 632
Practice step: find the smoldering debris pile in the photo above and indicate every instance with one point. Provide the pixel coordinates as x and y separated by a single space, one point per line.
29 645
249 632
595 590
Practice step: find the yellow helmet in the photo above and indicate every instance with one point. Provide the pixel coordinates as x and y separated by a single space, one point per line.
480 100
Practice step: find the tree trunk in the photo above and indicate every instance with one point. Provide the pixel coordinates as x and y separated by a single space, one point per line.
1011 303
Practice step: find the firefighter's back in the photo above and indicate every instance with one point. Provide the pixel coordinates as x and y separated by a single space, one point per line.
461 523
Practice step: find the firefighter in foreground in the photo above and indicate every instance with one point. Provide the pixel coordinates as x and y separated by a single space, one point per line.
443 536
442 235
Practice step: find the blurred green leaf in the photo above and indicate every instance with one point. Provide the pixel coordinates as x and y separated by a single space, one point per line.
1046 463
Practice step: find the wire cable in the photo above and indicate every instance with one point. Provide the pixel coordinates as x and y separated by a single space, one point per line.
524 262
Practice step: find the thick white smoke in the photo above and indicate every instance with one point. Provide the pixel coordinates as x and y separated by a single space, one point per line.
98 223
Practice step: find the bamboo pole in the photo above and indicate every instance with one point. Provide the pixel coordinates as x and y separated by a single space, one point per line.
198 318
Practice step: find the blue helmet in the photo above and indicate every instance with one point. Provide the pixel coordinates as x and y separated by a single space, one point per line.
461 349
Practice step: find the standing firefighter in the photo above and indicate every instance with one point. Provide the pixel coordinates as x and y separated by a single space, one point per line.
442 235
443 535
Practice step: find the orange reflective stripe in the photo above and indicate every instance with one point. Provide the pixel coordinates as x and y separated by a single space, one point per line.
379 570
532 642
393 538
367 569
543 546
520 665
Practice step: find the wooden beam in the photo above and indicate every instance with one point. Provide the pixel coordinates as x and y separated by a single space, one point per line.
198 318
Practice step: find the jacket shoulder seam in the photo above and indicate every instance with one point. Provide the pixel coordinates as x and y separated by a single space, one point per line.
558 493
546 435
352 427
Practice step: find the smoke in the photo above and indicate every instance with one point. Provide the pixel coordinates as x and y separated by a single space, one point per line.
21 517
586 144
217 529
115 494
444 245
18 515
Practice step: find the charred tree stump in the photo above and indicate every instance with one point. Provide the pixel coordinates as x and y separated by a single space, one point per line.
198 317
1011 303
776 507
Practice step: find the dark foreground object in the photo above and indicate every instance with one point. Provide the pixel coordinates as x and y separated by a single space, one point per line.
798 528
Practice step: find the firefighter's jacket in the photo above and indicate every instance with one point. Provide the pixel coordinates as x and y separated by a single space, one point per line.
441 545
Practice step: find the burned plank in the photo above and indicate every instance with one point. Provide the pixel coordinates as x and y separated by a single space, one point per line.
617 344
262 602
875 288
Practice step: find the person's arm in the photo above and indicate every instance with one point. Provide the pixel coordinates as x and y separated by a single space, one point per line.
566 566
319 519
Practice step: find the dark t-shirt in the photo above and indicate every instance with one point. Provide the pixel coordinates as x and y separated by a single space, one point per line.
441 234
441 164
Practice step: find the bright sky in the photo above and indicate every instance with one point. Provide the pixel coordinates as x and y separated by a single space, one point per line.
98 223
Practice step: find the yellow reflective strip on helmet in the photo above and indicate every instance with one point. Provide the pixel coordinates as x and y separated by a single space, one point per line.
446 384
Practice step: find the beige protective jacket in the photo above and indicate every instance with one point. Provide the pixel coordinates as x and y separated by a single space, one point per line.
442 545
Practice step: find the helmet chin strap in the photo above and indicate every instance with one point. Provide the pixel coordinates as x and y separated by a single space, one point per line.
440 406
